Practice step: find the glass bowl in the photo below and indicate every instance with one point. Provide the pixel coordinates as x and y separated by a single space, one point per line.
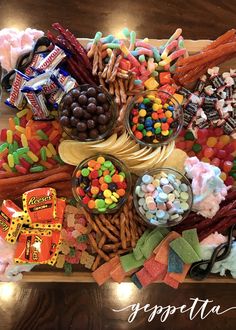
90 118
150 216
115 186
156 139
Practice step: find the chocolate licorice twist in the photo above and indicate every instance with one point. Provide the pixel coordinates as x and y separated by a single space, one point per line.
220 253
74 42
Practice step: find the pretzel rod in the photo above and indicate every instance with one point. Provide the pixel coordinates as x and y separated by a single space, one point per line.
105 230
131 82
108 225
122 230
99 251
111 63
90 220
126 84
109 247
113 74
96 262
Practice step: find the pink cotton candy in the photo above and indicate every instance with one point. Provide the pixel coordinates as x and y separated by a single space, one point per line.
14 43
214 239
208 188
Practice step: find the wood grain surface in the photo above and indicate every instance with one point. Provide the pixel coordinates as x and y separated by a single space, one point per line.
30 306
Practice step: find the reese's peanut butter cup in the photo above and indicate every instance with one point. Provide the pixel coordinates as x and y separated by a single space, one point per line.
39 205
11 221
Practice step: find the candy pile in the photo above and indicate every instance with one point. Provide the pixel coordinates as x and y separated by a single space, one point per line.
164 256
101 184
189 69
212 146
163 198
43 213
29 146
127 66
154 119
212 103
74 236
87 113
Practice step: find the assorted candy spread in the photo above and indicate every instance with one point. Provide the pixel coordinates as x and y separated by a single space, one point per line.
148 135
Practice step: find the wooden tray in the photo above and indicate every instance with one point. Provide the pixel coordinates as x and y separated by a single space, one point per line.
42 274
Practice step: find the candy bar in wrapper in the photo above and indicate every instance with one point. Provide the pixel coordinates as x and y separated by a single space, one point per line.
200 85
56 81
56 97
16 98
37 59
40 205
37 103
33 246
52 60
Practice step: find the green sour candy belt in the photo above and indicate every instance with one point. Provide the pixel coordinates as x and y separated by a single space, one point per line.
192 238
128 262
184 250
153 239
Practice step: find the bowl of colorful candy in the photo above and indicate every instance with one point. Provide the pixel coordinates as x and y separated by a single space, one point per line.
101 184
87 113
154 118
163 197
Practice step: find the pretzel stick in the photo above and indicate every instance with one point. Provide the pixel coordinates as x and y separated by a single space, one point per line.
111 63
100 63
105 230
111 88
104 73
101 81
131 83
112 255
96 262
122 230
112 77
108 225
95 61
99 251
108 247
102 241
117 92
122 91
90 220
91 51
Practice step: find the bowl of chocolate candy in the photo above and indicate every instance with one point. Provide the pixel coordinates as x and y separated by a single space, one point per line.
87 113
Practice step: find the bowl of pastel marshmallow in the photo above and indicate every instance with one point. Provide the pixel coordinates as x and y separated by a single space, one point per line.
163 197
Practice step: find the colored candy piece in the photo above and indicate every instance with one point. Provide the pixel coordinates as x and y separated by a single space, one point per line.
192 238
144 277
175 264
102 274
171 281
118 274
152 240
180 277
136 281
155 268
184 250
164 245
129 262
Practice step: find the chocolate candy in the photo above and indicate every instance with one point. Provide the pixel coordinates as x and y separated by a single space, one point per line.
87 113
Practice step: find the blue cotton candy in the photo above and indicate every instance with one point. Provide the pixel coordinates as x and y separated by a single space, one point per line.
221 267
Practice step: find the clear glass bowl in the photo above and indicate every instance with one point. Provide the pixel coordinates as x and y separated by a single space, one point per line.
118 165
72 131
177 116
156 172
